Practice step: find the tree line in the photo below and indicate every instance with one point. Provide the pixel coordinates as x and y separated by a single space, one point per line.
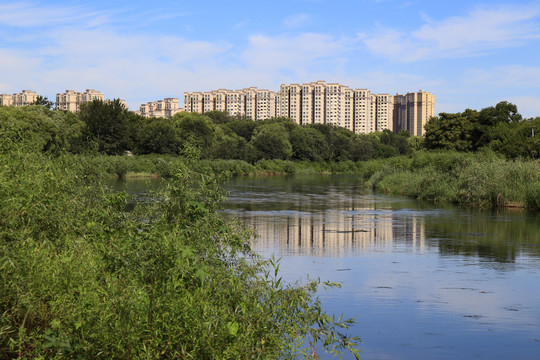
109 128
499 128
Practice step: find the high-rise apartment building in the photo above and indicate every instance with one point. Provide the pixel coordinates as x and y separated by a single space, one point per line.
257 104
413 110
71 100
6 100
319 102
165 108
24 98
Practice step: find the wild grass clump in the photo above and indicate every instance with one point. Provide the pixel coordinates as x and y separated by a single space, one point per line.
532 196
481 179
276 166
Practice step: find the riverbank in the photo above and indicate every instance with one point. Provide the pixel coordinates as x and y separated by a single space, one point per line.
466 179
481 180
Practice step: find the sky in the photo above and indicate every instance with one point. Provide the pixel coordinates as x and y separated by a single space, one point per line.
469 54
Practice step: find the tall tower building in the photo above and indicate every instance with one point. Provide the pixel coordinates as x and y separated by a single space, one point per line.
413 110
362 119
384 112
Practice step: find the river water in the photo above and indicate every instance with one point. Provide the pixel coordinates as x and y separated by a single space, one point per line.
423 281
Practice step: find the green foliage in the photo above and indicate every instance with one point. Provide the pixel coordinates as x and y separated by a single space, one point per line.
159 136
309 144
399 142
107 126
450 131
195 129
219 117
81 277
271 141
37 129
463 178
43 101
532 197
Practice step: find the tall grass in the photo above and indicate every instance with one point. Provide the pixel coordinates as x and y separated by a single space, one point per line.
461 178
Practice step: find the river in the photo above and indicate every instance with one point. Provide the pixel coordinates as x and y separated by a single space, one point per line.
423 281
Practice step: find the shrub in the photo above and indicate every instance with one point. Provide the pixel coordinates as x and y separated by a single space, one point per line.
80 277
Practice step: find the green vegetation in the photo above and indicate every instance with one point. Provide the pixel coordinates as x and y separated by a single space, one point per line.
89 273
481 179
499 128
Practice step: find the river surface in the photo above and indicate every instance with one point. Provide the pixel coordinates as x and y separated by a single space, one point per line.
423 281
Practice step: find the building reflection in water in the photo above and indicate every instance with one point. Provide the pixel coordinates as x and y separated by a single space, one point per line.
334 232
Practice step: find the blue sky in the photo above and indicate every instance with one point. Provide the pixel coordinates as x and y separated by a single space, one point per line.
470 54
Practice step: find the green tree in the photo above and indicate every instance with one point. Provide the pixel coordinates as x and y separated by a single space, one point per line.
341 143
243 128
271 141
309 144
195 129
486 125
399 142
363 148
229 145
38 129
106 126
159 136
43 101
219 117
450 131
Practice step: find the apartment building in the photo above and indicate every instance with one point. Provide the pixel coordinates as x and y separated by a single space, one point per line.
319 102
357 110
413 110
257 104
165 108
384 112
71 100
6 100
24 98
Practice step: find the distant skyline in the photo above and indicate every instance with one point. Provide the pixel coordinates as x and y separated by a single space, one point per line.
469 54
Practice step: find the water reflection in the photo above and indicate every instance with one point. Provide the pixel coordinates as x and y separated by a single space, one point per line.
325 216
424 281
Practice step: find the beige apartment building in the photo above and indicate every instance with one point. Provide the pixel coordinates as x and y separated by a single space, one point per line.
165 108
357 110
71 100
256 104
413 110
24 98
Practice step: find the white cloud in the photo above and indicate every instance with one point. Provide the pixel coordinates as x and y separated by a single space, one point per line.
296 21
528 106
294 52
479 31
29 14
514 76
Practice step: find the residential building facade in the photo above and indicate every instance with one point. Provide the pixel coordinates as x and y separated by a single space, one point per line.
357 110
413 110
256 104
165 108
71 100
24 98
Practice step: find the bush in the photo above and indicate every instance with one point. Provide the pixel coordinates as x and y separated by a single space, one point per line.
81 277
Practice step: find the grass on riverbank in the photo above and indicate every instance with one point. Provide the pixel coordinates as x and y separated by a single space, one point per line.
469 179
